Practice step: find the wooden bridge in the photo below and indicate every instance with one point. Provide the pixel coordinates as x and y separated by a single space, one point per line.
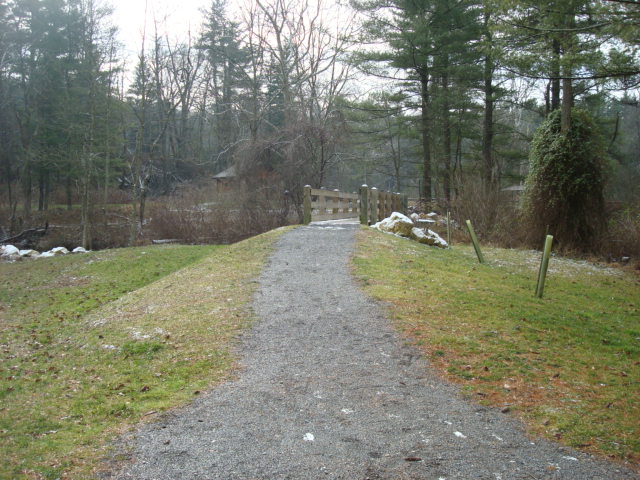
369 204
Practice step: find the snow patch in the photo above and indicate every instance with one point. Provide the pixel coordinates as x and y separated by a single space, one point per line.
403 226
6 250
308 437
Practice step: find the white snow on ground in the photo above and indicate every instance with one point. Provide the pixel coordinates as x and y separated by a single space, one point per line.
530 260
403 226
11 252
308 437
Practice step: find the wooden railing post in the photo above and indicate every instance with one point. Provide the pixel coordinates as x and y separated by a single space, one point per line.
306 216
384 205
364 204
375 207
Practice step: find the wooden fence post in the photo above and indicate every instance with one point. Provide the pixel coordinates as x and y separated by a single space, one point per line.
375 208
364 204
307 205
384 202
476 244
544 265
337 202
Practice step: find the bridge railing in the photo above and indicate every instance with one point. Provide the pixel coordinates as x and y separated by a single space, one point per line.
370 204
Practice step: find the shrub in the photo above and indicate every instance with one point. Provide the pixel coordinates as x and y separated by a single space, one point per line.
564 189
494 214
624 235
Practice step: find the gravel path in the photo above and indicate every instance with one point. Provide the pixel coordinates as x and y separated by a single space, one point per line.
329 391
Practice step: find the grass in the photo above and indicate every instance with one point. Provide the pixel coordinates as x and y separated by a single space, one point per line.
567 364
93 344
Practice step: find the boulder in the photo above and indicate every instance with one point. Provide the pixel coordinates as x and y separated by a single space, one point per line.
397 223
59 251
79 250
29 253
428 238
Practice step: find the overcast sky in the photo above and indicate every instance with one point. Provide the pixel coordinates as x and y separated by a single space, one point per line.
129 16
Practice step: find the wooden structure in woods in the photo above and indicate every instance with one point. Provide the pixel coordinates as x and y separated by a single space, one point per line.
370 204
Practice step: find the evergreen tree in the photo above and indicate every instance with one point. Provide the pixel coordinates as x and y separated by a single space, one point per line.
567 42
437 44
226 59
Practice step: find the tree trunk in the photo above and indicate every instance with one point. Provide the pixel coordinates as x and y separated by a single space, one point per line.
555 73
567 102
426 135
69 193
490 180
567 48
26 186
487 126
85 216
41 190
446 134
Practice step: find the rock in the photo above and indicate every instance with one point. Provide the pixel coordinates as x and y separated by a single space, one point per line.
428 238
415 217
397 223
47 254
59 251
29 253
7 250
79 250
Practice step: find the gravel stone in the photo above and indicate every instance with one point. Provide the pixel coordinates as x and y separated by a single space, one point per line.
330 391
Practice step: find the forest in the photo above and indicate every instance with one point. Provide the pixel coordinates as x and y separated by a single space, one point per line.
523 115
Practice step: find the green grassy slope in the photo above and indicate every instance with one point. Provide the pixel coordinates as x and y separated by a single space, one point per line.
92 344
568 364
